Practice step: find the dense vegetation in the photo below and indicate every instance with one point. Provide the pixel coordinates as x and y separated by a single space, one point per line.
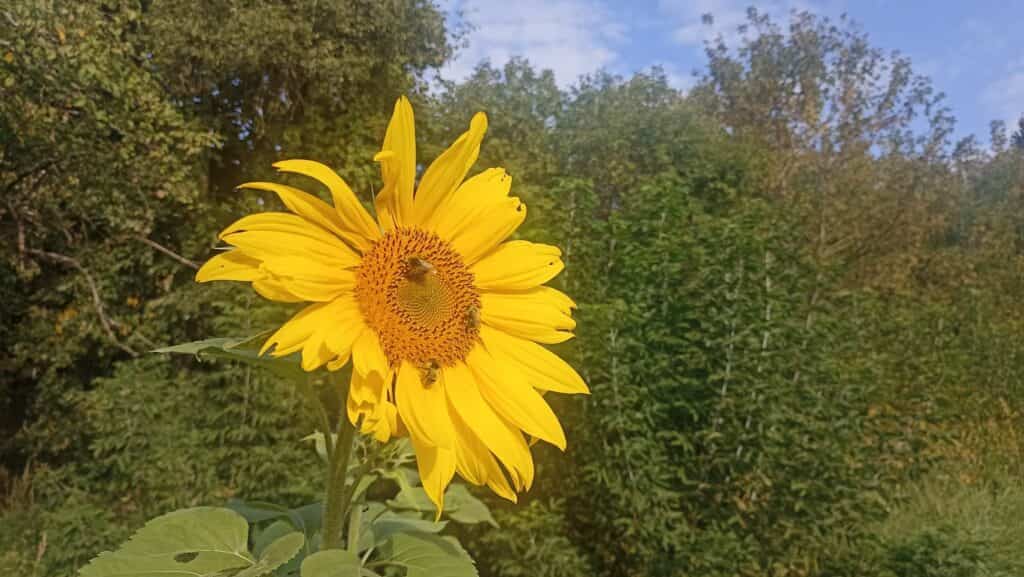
799 300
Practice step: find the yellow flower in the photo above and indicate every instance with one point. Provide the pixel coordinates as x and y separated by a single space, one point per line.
440 314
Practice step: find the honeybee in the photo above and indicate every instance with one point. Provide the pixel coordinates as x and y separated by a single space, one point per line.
418 268
430 373
473 317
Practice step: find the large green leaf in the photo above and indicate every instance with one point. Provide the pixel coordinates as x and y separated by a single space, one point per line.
389 523
262 539
427 555
463 507
459 504
414 498
256 511
199 542
333 563
275 555
306 518
244 349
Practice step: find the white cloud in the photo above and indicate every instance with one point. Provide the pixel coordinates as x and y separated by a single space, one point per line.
571 37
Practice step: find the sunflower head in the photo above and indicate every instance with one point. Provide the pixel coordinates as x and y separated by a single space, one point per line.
441 315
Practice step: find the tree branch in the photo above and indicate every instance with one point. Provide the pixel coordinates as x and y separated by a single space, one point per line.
106 322
189 263
27 173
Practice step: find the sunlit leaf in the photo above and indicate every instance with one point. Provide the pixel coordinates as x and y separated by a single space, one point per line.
275 555
427 555
414 498
200 542
245 350
333 563
389 523
462 507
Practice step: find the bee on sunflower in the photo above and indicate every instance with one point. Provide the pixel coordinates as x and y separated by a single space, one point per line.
442 317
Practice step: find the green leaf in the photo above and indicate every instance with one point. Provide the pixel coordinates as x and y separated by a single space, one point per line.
371 510
275 555
459 504
362 485
320 442
426 555
462 507
256 511
199 542
244 349
262 539
333 563
414 498
306 518
389 523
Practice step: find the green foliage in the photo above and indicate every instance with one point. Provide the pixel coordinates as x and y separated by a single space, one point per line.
534 542
214 542
427 555
936 554
796 306
333 563
948 527
203 541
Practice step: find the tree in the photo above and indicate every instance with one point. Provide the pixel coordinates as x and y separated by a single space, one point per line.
124 128
836 118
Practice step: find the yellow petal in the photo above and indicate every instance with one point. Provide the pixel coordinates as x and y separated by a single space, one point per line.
517 265
535 314
292 335
309 278
542 368
507 391
493 225
312 270
468 462
497 434
498 482
475 462
270 234
368 356
346 329
354 224
273 290
436 467
447 171
387 426
367 400
285 222
314 210
398 168
469 200
424 409
366 389
230 265
337 363
314 353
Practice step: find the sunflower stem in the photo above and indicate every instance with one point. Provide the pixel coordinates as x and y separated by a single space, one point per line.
337 469
325 425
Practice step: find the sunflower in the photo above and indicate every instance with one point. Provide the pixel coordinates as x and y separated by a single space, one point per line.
439 312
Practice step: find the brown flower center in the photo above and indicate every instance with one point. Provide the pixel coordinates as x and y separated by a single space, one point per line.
415 291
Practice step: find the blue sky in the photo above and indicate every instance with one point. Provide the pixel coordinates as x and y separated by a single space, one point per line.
966 47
